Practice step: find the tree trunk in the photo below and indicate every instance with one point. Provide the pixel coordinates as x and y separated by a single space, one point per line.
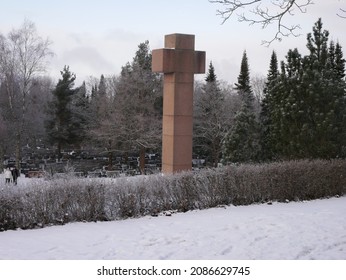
110 155
142 160
110 160
2 153
18 149
59 151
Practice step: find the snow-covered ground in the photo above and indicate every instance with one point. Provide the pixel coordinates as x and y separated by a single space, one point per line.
296 230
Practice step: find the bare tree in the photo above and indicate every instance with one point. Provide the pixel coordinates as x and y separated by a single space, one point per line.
214 111
264 13
139 102
103 119
36 115
3 140
23 56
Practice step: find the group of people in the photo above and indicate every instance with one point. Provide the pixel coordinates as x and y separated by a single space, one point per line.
11 175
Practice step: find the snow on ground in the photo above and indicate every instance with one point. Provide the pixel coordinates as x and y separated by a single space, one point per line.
296 230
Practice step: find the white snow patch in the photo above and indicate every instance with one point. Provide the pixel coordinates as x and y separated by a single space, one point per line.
296 230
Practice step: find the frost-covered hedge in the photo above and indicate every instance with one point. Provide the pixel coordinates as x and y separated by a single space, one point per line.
66 200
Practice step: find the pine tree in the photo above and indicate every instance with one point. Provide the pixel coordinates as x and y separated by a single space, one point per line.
338 104
324 92
291 114
308 101
339 68
242 141
317 45
63 128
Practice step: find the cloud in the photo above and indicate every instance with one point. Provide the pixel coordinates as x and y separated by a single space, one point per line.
122 35
84 61
90 54
89 57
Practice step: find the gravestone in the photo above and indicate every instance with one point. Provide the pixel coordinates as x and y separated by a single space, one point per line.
179 61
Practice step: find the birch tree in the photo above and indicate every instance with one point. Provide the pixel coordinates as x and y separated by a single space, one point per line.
23 56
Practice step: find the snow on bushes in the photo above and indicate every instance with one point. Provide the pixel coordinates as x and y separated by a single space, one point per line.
59 201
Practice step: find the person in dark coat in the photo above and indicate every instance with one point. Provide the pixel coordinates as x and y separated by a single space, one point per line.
15 175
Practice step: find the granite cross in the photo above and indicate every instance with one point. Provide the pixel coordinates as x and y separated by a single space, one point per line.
179 62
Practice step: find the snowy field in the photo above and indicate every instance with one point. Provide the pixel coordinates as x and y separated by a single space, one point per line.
282 231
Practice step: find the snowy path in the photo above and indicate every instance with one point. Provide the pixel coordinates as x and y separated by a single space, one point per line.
305 230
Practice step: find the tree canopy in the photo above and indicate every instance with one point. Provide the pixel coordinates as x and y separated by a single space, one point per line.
304 106
64 124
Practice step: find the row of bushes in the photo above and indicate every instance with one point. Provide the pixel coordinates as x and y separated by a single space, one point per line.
72 199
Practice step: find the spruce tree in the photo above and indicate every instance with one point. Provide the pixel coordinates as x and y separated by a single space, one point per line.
99 101
211 76
243 85
142 58
267 108
242 141
102 89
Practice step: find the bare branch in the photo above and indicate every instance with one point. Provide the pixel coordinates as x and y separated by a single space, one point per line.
258 12
342 15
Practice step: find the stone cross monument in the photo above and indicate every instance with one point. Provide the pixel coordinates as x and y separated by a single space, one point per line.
179 62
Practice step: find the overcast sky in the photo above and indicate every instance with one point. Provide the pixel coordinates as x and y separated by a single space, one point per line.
98 37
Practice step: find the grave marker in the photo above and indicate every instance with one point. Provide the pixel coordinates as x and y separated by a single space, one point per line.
179 61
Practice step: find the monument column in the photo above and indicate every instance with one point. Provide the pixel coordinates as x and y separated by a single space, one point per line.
179 62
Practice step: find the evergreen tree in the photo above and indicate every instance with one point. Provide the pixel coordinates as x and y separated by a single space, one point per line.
211 76
99 101
321 91
80 98
242 141
243 85
308 101
102 89
339 69
211 119
291 113
94 91
103 129
317 45
63 128
81 113
267 108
